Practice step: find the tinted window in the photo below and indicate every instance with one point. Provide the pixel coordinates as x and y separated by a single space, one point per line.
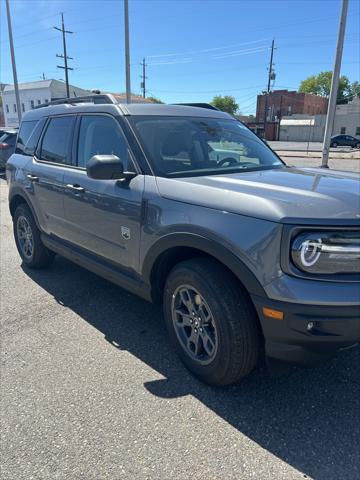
56 142
31 144
26 130
202 146
100 135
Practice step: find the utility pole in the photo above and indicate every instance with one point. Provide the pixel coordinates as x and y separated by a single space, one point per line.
127 52
144 77
270 77
334 86
16 85
64 56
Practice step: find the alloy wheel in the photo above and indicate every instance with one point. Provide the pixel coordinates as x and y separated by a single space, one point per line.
25 237
194 324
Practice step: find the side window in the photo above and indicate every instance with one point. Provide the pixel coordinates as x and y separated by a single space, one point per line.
56 141
31 144
100 135
26 129
342 130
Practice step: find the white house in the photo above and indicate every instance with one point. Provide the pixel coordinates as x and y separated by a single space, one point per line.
32 94
304 128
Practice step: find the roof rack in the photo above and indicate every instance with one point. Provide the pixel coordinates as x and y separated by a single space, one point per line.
200 105
95 98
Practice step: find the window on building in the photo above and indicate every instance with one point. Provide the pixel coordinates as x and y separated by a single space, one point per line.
289 110
32 103
46 100
7 108
357 132
100 135
342 130
56 142
39 102
23 107
14 107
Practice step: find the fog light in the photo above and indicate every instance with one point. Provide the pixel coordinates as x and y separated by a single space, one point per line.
310 326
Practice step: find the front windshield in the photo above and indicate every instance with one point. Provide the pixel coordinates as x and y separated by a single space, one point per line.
185 146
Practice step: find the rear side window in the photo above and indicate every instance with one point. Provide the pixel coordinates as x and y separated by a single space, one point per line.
100 135
26 130
55 146
26 145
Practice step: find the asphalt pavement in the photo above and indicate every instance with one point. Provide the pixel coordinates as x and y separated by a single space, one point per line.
91 389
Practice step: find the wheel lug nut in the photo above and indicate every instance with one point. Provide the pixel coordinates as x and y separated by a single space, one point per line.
191 320
200 329
195 330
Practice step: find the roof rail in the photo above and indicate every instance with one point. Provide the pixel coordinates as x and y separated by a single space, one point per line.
200 105
95 98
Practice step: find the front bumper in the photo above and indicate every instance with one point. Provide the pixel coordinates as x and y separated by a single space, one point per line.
307 333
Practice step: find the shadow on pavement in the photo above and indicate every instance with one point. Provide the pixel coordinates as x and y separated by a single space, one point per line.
307 418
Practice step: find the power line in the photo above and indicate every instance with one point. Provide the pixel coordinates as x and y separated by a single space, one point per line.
64 55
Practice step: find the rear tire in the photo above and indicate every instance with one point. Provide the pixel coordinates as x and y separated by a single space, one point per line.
28 239
228 346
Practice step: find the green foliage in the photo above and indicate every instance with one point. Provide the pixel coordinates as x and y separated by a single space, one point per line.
320 85
355 90
226 104
154 100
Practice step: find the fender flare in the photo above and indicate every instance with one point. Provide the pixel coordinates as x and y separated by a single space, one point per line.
19 192
211 247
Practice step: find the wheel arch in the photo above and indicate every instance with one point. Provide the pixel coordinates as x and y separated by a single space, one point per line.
174 248
16 198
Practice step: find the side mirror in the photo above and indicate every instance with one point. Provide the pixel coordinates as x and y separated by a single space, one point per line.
107 167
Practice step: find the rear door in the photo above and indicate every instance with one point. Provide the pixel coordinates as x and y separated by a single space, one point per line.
103 216
46 172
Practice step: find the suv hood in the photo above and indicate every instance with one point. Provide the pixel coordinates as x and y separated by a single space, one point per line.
287 195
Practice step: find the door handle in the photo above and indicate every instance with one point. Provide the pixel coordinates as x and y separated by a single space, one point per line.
76 188
32 178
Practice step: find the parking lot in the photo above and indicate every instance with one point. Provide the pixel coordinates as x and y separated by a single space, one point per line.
91 389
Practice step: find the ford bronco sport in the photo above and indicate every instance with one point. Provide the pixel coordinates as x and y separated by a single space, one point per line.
186 205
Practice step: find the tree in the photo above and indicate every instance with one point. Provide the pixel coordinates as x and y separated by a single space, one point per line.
226 104
154 100
320 85
354 90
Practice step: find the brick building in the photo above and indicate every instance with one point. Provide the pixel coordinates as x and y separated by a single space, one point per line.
282 103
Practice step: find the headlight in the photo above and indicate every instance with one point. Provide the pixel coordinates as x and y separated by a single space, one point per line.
327 252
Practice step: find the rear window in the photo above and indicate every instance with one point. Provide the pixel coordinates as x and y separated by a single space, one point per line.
26 129
55 146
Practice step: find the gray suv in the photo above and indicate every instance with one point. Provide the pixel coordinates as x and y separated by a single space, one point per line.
185 205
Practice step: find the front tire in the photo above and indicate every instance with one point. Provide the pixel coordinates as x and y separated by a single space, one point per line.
334 145
28 240
211 322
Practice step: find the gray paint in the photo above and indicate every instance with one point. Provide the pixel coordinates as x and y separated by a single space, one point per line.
240 213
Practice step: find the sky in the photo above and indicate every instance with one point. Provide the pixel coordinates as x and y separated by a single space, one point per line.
194 49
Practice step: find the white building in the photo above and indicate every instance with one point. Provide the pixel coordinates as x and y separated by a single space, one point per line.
33 94
304 128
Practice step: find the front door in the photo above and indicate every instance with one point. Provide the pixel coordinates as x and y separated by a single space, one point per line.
103 216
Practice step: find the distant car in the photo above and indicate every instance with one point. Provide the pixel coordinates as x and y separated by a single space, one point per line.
7 146
344 141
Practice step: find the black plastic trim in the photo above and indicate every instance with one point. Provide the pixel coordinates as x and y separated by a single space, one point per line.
97 265
334 327
216 250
